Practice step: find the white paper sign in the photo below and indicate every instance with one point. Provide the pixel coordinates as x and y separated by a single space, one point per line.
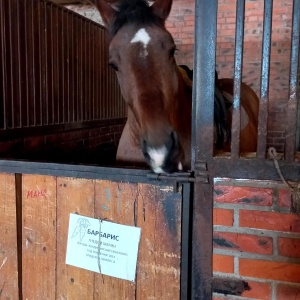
116 252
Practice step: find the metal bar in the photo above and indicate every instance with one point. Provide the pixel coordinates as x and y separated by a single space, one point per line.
84 100
77 81
93 84
63 100
3 117
238 63
290 134
256 169
202 146
27 63
182 177
265 77
44 51
80 65
68 63
38 64
19 225
32 74
18 64
50 60
23 65
185 282
60 67
10 71
72 71
55 40
78 171
204 74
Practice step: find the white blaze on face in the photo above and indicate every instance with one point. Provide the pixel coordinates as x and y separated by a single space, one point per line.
157 157
142 37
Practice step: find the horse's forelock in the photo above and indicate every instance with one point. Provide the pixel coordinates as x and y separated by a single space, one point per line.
134 12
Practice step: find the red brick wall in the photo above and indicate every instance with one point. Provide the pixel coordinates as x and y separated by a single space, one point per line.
256 239
181 25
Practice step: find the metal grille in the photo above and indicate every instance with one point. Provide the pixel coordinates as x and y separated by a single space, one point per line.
53 67
264 92
204 75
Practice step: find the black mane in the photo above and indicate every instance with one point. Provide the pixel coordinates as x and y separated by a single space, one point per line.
134 12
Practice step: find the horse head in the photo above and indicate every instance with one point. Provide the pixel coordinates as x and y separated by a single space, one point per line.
141 51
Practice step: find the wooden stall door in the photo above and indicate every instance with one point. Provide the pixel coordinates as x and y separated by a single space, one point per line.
47 202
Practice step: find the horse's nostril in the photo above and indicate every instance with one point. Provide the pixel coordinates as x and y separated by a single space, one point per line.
145 150
163 156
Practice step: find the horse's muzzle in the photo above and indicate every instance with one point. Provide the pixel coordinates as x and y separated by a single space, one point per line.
165 158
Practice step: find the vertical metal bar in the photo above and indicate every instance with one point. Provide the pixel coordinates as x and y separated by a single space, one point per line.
107 96
3 121
27 62
39 61
101 76
77 73
81 72
185 284
63 36
265 77
32 107
238 63
202 146
51 65
72 70
88 54
10 73
60 66
18 64
44 54
204 74
290 140
90 72
86 78
95 66
68 64
23 63
19 225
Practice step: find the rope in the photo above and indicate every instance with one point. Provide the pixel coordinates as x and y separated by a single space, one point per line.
295 189
99 245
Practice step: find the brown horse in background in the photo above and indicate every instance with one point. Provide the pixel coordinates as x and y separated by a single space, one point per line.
158 92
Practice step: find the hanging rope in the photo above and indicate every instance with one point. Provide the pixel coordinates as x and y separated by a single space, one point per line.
99 246
295 189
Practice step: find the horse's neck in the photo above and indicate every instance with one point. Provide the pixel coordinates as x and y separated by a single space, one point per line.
184 101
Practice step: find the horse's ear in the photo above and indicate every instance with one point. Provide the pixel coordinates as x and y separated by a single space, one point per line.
162 8
106 11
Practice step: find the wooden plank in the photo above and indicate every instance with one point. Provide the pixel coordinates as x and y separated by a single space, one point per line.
159 216
38 236
8 242
73 196
115 202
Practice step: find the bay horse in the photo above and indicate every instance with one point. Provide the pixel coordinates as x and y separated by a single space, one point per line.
157 92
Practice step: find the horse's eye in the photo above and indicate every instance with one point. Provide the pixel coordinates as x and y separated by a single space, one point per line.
113 66
172 52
